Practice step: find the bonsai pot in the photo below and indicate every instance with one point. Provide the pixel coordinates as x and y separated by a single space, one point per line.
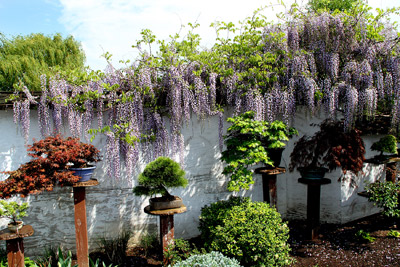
163 203
84 173
275 156
312 172
15 227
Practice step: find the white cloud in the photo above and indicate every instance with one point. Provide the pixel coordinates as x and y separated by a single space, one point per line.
114 25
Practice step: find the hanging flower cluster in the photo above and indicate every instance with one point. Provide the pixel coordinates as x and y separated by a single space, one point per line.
318 60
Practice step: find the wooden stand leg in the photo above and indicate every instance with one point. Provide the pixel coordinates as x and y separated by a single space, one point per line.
166 232
82 251
269 189
391 171
15 252
313 209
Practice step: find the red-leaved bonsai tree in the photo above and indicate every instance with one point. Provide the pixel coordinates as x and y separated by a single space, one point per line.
51 159
330 147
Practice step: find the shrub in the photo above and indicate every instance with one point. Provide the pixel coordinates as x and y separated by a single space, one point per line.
385 195
393 233
363 236
114 249
251 232
178 251
213 259
213 216
149 243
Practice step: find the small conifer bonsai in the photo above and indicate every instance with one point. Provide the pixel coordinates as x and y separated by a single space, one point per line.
387 144
159 175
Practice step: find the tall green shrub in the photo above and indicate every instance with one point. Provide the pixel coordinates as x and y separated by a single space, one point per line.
251 232
385 195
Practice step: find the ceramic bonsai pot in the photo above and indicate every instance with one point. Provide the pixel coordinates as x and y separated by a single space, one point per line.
15 227
312 173
84 173
275 156
162 203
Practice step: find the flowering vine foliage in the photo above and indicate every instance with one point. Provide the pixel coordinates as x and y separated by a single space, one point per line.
346 62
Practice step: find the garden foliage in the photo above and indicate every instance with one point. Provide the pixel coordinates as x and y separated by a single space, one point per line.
385 195
346 62
251 232
247 143
212 259
179 251
25 58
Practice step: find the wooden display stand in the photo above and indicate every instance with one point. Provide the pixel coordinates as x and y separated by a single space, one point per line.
15 245
166 225
313 203
82 251
269 183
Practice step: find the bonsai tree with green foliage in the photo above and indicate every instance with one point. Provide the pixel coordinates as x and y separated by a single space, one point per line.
386 144
12 210
247 143
159 175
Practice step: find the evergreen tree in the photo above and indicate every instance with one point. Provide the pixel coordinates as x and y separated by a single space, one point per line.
25 58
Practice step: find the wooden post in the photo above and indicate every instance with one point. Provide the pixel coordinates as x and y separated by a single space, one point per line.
313 204
166 231
15 245
15 252
82 250
269 184
166 226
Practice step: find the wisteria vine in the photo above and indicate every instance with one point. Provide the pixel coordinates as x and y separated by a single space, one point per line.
318 60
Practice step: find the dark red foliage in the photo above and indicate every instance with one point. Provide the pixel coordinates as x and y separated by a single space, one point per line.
51 159
330 147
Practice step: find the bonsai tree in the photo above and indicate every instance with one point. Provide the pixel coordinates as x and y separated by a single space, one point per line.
330 147
12 210
248 142
51 160
386 144
159 175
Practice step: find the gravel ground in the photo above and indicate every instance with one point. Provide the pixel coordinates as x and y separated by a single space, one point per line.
338 245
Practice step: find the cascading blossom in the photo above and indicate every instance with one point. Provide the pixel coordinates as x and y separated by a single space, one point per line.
312 60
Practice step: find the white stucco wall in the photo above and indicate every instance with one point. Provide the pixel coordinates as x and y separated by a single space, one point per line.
111 206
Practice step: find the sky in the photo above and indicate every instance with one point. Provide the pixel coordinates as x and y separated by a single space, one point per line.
114 25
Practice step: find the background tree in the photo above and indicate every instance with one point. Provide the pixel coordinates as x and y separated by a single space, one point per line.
25 58
332 5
